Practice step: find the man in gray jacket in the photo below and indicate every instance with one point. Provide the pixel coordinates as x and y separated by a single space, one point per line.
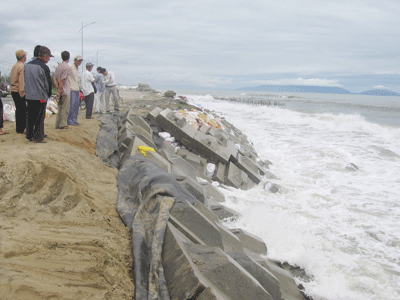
38 87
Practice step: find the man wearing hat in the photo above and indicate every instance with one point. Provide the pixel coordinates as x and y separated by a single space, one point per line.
18 91
87 82
38 87
75 100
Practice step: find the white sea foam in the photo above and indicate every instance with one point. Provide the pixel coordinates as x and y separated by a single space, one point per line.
338 216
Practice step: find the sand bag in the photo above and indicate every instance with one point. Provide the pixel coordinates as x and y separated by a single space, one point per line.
146 194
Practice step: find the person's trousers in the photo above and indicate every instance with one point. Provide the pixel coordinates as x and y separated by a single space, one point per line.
99 103
89 105
63 111
1 114
74 103
36 115
20 112
112 90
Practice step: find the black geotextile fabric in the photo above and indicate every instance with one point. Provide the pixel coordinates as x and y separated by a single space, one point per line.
107 146
146 194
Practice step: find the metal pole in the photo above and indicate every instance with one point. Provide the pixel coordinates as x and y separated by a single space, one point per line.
97 62
82 38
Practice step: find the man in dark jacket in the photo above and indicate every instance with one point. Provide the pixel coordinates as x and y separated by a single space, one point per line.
38 86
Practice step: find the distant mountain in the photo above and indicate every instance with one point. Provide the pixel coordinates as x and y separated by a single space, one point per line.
296 89
380 93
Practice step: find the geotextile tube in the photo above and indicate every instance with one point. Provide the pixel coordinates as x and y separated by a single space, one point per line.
106 146
146 194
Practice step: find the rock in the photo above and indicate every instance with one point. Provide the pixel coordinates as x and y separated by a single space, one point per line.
170 94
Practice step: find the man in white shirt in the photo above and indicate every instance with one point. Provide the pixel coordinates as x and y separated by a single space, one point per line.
111 88
75 100
87 82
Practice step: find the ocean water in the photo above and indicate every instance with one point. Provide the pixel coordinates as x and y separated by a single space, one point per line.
337 215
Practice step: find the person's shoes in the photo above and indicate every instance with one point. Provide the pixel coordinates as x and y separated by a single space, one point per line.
117 109
45 136
64 127
90 118
39 141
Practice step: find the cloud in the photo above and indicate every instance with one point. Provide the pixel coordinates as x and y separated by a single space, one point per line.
213 43
380 87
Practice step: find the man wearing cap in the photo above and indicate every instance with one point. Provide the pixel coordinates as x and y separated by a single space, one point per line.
74 101
38 87
18 91
87 82
61 80
111 88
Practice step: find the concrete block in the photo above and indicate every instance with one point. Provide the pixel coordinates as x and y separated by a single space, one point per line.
194 188
132 148
213 193
237 178
128 131
154 113
159 160
197 223
224 212
179 163
289 289
221 136
183 279
249 167
225 274
208 146
206 211
250 241
252 155
196 161
134 119
234 138
179 132
269 282
220 173
204 128
230 241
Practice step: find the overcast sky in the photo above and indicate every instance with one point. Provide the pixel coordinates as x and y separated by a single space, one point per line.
216 44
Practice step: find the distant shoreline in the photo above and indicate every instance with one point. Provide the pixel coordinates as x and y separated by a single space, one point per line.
315 89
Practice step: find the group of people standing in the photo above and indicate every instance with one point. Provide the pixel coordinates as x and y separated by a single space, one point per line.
31 87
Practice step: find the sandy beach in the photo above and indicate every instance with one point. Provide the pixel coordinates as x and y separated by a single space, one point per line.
60 234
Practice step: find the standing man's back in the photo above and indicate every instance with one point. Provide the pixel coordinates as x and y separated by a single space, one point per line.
61 79
38 90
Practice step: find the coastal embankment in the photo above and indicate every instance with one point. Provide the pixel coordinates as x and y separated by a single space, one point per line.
61 209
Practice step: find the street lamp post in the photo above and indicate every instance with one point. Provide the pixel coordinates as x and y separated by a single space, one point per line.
82 35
